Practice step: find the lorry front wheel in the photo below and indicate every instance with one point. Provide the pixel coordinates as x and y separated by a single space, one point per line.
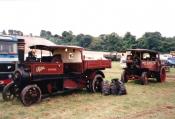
30 94
8 92
144 78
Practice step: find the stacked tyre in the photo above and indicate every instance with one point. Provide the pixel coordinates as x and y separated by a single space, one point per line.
115 87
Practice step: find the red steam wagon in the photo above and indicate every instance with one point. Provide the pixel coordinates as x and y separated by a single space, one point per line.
143 64
66 68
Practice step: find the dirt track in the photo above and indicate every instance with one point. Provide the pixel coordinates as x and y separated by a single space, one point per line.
164 108
171 76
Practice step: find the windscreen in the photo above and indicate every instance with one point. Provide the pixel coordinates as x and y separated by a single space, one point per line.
7 47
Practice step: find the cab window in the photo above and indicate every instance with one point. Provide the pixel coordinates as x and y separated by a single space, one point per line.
146 56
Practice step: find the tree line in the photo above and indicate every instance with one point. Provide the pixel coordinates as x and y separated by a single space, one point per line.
113 42
12 32
108 42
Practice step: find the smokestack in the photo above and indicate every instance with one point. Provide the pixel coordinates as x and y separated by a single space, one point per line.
21 50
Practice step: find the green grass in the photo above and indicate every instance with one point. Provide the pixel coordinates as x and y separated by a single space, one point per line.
114 72
172 71
153 101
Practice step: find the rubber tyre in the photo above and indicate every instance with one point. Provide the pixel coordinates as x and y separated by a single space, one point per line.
114 87
30 94
97 83
118 87
144 78
122 88
161 75
8 93
106 87
124 77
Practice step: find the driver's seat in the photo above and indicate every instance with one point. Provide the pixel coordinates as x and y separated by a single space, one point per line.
57 58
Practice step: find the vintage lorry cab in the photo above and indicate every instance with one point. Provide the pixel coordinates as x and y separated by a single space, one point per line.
143 64
64 69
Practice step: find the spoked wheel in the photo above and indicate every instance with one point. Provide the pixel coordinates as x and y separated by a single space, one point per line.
161 76
144 78
8 92
30 94
124 77
97 83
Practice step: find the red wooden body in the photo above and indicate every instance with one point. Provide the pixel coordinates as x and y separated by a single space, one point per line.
97 64
39 68
151 65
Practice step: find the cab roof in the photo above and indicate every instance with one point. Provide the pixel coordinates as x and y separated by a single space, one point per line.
8 38
142 50
54 47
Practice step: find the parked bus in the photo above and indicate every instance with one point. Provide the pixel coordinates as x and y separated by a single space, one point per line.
8 58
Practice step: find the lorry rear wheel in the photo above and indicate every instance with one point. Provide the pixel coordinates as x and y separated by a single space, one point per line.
124 77
144 78
30 94
97 83
8 92
161 77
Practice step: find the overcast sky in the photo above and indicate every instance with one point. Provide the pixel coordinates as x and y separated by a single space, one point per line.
92 17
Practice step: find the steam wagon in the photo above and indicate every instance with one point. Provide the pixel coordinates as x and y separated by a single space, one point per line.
64 69
143 64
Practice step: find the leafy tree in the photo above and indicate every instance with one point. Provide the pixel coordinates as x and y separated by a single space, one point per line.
111 42
78 39
10 32
43 33
85 41
67 36
129 41
150 40
168 44
15 32
4 32
96 44
49 34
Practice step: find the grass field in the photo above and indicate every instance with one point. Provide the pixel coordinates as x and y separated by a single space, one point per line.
153 101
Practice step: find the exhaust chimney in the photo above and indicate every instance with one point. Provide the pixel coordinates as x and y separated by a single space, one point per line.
21 50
